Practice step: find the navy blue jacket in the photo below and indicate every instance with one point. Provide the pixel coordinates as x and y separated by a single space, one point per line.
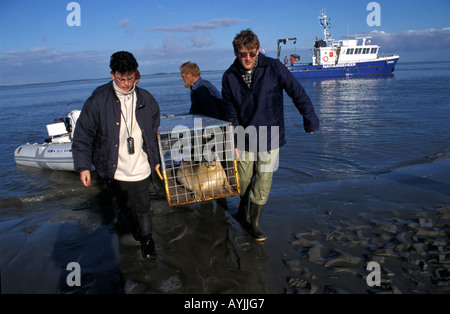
205 99
262 104
96 138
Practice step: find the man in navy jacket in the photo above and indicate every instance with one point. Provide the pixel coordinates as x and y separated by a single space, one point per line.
205 98
252 93
116 132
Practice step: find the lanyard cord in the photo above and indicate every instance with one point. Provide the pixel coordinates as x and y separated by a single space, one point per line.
126 125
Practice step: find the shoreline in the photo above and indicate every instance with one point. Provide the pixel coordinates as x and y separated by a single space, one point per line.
389 219
321 239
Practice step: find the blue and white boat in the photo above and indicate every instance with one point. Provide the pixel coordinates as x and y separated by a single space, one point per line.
56 152
343 58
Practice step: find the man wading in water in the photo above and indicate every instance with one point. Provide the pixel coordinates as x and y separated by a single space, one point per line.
252 93
116 132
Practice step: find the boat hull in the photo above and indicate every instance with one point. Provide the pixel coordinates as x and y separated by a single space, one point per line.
368 68
54 156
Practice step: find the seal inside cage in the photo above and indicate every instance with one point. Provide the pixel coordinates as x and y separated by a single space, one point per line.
198 162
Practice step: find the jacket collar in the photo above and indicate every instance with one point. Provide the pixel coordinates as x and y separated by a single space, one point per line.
197 83
139 103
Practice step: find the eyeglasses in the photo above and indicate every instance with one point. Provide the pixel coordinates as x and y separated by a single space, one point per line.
123 79
243 55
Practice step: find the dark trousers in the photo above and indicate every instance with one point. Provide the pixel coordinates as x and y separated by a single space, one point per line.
133 199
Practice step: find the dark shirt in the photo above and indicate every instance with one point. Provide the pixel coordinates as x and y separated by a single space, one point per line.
205 99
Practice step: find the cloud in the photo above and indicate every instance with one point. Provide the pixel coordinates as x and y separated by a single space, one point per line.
413 40
413 45
31 51
45 64
172 43
198 42
199 26
124 23
169 45
151 61
198 34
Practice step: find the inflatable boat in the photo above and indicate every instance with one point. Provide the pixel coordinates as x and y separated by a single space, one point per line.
56 152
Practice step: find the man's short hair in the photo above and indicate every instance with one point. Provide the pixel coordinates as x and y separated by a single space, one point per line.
190 67
246 38
123 62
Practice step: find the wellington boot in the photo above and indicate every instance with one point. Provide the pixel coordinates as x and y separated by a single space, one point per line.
148 249
255 217
145 229
243 214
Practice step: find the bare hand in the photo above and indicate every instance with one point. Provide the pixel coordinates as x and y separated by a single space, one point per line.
85 177
158 172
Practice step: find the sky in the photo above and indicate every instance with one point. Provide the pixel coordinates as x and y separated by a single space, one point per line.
58 40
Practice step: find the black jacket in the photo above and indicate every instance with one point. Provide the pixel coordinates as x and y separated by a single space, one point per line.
261 106
205 99
96 138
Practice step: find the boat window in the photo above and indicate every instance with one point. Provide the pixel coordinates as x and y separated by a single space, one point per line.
350 51
358 51
366 51
374 50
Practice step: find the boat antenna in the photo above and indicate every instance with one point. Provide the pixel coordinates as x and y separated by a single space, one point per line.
326 25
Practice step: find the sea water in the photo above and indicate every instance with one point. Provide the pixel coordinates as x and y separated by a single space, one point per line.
369 126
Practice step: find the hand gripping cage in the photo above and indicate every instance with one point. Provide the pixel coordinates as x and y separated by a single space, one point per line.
198 161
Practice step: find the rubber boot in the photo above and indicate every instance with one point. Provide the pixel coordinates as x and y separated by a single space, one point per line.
243 214
255 216
148 249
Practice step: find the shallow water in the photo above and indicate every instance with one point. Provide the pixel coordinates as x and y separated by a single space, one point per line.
371 129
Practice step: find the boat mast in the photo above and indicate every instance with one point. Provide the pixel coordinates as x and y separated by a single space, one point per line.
326 25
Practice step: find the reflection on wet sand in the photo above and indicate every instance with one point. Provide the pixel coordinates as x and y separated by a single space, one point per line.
201 249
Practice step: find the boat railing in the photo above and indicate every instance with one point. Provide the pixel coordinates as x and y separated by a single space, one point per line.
388 56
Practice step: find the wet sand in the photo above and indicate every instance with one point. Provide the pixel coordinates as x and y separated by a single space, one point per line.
321 239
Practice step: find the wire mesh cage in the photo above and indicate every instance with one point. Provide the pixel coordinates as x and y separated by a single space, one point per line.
198 162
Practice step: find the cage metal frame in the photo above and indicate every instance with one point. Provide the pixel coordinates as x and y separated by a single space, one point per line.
198 156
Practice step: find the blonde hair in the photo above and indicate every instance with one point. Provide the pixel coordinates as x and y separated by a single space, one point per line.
190 67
